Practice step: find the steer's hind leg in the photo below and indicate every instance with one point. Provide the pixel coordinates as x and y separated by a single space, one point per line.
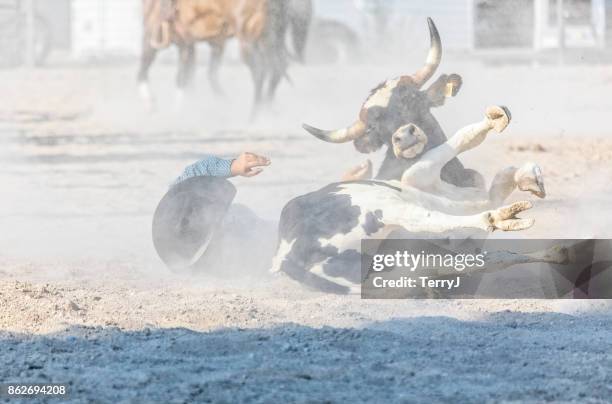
419 220
529 178
305 261
501 259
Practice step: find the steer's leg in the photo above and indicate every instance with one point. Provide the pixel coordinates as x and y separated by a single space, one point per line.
318 267
499 260
146 59
455 200
427 169
360 172
416 219
527 178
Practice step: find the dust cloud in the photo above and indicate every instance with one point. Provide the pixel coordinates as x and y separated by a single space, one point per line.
83 166
87 186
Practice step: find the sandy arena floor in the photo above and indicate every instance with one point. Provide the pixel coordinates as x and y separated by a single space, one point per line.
85 301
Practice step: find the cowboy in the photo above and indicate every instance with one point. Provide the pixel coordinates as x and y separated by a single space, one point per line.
197 228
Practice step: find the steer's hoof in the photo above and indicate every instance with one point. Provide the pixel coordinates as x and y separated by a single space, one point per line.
499 117
529 178
361 172
505 218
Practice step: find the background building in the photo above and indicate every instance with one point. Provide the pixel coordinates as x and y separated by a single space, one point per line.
108 29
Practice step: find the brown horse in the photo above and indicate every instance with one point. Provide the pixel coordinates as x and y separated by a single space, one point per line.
259 25
299 14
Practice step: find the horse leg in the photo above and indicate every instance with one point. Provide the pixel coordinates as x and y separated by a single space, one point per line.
276 59
146 59
273 43
253 57
216 55
185 72
279 70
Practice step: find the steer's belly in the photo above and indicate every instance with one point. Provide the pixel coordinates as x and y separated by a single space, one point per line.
320 233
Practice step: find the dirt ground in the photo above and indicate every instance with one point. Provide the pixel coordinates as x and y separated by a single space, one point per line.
85 301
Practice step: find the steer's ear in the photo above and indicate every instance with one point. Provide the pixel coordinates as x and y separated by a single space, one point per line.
445 86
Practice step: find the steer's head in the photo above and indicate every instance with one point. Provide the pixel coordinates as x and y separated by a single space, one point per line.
396 103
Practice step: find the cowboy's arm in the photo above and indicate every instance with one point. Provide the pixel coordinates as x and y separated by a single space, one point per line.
209 166
246 165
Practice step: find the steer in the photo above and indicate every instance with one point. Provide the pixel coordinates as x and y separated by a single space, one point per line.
398 102
320 232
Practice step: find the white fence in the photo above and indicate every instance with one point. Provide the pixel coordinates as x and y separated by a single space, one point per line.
102 28
98 29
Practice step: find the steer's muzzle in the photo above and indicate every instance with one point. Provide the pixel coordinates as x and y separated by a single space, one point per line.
408 141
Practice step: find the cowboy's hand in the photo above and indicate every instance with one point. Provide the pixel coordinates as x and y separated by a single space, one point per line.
249 164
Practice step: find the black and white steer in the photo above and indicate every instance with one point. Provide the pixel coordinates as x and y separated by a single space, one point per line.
320 232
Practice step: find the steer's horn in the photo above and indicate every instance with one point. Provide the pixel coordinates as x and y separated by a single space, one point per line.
347 134
433 58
